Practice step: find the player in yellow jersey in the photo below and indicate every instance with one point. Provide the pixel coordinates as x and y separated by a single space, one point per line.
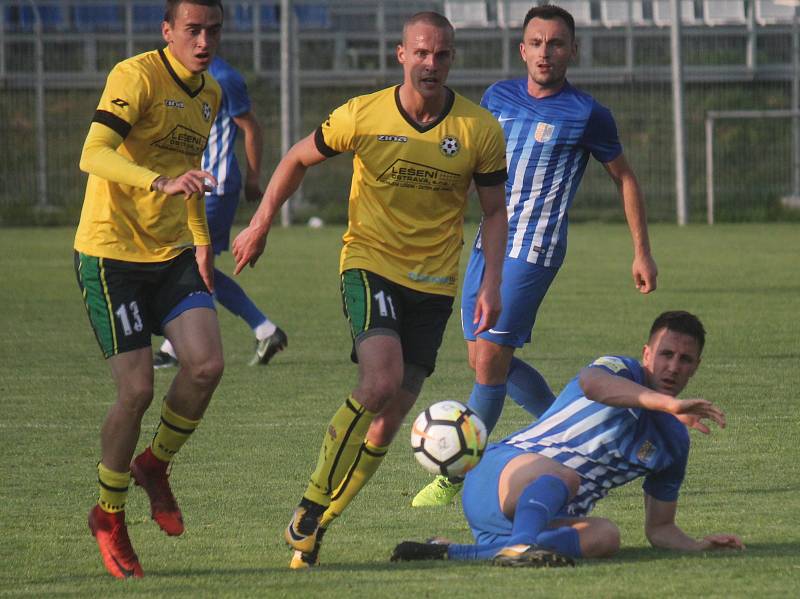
417 147
144 265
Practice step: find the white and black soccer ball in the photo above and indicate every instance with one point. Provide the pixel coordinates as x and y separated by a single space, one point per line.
449 146
448 438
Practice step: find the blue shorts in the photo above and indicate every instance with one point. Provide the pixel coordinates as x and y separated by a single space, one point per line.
522 291
220 211
480 498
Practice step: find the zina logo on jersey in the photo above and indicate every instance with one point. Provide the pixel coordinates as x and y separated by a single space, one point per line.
544 132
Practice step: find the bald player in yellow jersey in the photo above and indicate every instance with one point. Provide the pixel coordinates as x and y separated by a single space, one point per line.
417 147
143 221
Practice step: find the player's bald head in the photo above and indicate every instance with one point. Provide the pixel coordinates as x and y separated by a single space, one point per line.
434 19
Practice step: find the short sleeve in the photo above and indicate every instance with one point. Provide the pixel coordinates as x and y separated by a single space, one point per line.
234 89
618 366
665 484
491 165
126 96
337 133
600 136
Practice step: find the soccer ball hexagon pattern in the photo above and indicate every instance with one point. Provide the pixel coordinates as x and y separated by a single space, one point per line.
448 438
449 146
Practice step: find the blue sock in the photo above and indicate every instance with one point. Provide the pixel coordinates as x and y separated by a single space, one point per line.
459 552
564 540
538 503
487 402
528 388
228 293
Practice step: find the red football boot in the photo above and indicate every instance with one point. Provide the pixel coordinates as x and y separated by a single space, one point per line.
150 473
119 558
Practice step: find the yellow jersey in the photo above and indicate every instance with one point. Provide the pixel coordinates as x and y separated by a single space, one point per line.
163 113
410 181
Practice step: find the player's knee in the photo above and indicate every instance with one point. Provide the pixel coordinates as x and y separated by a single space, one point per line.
135 397
208 372
375 392
604 540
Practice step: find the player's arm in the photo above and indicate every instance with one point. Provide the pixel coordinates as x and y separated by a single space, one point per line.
253 146
600 385
494 233
644 267
249 244
662 531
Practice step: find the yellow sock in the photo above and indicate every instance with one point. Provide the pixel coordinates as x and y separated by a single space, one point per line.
367 461
113 489
340 447
172 432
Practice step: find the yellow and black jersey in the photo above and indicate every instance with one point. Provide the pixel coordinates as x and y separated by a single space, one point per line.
410 182
162 114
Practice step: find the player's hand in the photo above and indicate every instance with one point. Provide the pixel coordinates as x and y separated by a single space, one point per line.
252 191
721 541
693 411
645 272
487 309
189 183
248 247
205 263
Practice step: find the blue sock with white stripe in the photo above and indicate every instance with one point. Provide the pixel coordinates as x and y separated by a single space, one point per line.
228 293
487 402
528 388
538 503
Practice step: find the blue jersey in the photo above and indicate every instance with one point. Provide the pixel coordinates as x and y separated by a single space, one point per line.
609 446
548 142
219 157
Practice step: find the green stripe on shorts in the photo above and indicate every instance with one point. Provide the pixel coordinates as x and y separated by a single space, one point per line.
357 305
91 275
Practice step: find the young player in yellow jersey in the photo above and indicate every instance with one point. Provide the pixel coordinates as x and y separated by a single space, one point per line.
142 216
417 147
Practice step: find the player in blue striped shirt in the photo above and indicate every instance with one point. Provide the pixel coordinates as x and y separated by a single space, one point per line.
527 502
551 129
219 159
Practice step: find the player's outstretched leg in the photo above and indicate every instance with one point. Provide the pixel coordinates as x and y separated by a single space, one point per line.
531 556
441 491
111 534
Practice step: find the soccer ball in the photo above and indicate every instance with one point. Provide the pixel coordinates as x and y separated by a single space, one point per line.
449 146
448 439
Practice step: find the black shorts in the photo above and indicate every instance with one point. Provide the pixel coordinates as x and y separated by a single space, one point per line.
127 302
372 303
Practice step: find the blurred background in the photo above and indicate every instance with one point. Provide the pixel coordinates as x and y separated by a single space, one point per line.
706 104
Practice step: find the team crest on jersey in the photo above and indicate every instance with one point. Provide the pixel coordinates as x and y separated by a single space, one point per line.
449 146
206 112
610 362
646 451
543 133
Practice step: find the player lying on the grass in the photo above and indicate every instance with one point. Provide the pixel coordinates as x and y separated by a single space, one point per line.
527 500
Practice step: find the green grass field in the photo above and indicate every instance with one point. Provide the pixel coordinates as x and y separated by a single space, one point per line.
241 474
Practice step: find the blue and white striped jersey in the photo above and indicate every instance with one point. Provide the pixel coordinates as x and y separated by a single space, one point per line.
609 446
219 157
548 142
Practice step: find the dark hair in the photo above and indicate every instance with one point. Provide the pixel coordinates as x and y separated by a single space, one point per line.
549 12
429 18
171 6
680 322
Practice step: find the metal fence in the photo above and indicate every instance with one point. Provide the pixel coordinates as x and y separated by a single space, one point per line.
736 55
